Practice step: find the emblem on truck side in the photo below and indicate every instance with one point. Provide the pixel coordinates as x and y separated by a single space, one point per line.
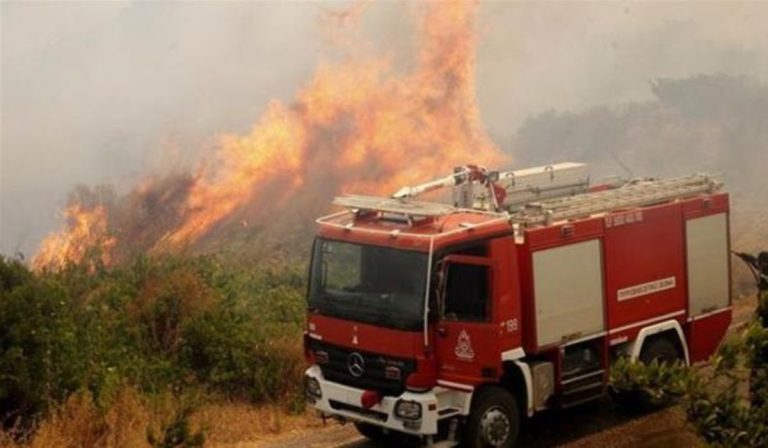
356 364
463 348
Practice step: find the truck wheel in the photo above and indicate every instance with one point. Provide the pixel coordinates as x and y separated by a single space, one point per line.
658 349
661 350
494 420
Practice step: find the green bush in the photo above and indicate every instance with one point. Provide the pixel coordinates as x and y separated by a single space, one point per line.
727 401
649 385
40 342
171 321
724 411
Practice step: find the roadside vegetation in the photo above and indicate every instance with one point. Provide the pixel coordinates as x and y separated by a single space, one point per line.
124 356
726 401
163 351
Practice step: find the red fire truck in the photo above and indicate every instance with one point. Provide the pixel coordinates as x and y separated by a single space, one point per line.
461 316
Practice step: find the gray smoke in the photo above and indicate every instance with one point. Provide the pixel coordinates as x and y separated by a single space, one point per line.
104 93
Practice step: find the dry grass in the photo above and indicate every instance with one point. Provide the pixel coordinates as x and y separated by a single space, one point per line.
6 440
76 423
227 424
79 423
127 420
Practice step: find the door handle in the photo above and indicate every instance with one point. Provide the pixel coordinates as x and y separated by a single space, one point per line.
442 332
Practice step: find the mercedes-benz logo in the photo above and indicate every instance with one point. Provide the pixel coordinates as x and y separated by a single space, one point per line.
356 364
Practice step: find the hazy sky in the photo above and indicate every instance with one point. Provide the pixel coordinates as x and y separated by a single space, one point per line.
101 92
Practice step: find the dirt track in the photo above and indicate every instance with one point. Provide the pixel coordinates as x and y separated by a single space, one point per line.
598 424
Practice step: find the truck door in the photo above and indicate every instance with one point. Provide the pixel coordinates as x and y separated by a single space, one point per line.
467 338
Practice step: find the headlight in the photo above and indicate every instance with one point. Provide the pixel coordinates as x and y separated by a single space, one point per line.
312 387
408 410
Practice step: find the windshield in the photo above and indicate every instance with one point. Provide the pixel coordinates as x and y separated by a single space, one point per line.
370 284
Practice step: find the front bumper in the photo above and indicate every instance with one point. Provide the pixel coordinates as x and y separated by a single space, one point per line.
342 401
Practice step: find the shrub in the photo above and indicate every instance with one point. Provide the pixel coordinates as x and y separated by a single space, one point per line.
40 342
185 323
727 402
719 405
653 384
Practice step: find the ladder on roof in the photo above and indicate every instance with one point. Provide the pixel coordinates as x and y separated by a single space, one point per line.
472 187
638 194
395 206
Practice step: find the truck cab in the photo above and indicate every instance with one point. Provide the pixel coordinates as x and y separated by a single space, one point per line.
453 322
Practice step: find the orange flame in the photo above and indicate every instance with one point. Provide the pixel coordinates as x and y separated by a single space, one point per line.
86 230
357 126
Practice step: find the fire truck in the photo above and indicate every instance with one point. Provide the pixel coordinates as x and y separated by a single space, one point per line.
507 294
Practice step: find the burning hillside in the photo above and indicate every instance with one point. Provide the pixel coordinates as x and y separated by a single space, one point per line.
356 126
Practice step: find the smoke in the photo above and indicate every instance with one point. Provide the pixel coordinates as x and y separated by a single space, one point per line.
712 123
105 93
538 56
358 125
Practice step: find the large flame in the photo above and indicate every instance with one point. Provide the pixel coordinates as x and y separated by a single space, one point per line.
86 232
357 126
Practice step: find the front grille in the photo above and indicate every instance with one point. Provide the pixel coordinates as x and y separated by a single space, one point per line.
339 406
336 369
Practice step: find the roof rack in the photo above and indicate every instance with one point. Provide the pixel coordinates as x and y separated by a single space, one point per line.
634 194
535 196
396 206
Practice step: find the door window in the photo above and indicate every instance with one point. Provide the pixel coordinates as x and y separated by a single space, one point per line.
466 293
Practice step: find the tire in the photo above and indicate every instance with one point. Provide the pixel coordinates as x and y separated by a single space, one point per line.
661 350
658 349
494 420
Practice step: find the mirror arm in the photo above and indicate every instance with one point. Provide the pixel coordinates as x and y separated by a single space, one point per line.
442 284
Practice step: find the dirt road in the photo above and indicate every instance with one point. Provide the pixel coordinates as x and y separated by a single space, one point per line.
596 425
600 424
